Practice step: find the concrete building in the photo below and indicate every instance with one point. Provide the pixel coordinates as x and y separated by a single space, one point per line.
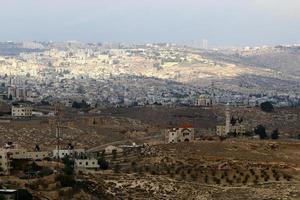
29 155
21 111
232 125
12 151
61 153
4 162
86 164
109 149
204 101
9 194
182 134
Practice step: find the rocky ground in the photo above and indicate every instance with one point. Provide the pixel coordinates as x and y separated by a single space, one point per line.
233 169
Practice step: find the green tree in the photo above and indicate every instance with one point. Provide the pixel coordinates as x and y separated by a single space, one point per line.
103 163
69 165
261 131
267 106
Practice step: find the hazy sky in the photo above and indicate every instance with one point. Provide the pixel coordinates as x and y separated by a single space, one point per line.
222 22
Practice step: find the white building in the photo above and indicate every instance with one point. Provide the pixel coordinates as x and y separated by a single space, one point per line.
21 111
204 101
61 153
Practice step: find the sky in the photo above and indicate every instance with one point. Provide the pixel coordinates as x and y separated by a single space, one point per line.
222 22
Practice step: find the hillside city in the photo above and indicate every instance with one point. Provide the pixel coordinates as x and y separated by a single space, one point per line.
126 75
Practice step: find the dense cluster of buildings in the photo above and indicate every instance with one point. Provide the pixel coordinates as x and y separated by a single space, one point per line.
104 74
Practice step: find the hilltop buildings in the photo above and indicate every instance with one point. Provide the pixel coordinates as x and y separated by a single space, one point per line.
182 134
232 125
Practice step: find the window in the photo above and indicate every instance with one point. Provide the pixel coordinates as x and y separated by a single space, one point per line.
86 163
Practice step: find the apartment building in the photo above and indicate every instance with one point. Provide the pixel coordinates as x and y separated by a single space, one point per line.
21 111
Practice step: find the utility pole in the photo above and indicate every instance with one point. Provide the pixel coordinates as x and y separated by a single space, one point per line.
58 134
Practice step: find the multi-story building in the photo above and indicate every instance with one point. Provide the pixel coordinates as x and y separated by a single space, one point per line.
4 162
30 155
13 152
21 111
182 134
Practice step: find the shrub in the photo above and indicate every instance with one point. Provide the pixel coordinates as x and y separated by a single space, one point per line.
66 180
33 185
24 194
33 167
117 168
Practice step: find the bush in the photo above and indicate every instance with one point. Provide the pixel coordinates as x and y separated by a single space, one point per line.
45 172
275 134
261 131
69 165
103 164
33 167
266 106
24 194
66 180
